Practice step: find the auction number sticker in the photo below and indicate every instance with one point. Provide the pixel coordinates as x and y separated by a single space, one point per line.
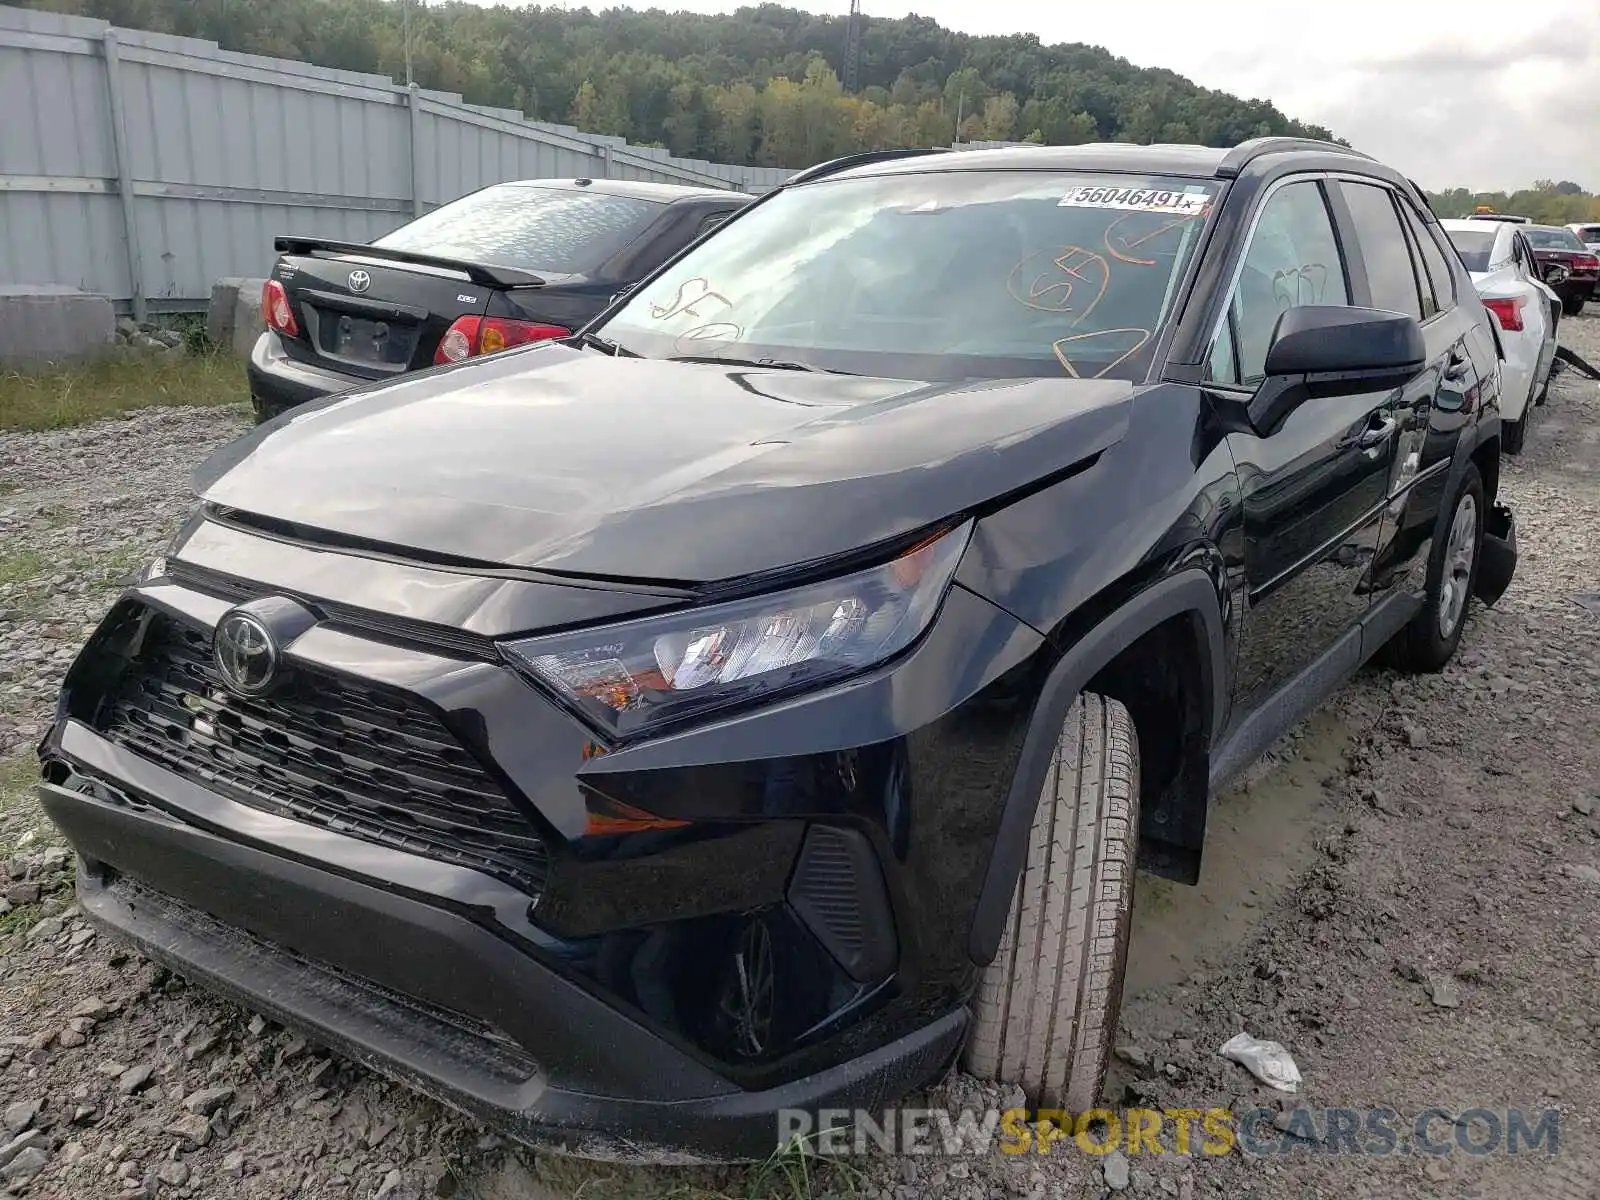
1137 199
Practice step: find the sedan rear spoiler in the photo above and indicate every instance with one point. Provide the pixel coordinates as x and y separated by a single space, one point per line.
480 273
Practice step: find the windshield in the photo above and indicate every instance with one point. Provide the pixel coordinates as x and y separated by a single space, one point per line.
532 228
1553 239
934 276
1589 233
1473 245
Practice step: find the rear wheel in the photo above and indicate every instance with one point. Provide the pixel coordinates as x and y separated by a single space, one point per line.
1430 640
1572 305
1046 1009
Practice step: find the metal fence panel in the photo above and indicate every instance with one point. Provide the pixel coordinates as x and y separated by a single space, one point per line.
144 166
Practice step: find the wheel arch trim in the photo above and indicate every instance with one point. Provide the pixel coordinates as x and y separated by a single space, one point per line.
1190 591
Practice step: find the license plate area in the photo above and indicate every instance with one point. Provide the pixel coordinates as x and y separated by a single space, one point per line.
368 341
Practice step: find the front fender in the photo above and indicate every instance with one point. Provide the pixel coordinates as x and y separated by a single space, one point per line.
1189 591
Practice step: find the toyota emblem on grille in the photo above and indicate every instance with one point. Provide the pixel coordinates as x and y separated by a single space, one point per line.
360 281
246 654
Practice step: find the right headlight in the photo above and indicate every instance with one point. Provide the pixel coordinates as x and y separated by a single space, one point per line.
635 677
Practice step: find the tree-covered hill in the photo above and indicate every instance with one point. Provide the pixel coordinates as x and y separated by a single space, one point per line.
758 86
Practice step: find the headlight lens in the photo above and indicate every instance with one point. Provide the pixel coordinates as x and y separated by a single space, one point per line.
638 676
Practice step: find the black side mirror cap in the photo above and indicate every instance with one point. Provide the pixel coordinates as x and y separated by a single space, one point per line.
1330 350
1316 339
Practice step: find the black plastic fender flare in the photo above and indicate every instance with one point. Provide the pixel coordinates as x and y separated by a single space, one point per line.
1189 591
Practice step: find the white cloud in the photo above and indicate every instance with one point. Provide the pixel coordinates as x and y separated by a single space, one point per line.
1482 95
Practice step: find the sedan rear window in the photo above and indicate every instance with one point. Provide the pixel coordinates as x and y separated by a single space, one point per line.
1553 239
1473 246
529 227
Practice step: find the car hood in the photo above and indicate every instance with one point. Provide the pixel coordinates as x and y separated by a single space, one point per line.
575 462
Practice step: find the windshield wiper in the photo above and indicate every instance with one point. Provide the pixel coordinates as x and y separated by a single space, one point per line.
597 342
771 364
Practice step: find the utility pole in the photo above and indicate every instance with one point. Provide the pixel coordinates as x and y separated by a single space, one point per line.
407 34
852 48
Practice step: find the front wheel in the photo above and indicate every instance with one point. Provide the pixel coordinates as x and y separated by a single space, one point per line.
1430 640
1046 1011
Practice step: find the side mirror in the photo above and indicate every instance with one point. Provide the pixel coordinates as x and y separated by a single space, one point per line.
1329 350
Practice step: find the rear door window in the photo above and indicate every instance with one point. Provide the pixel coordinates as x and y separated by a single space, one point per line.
563 231
1443 288
1390 272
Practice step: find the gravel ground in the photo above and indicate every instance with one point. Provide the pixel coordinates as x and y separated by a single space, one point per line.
1406 895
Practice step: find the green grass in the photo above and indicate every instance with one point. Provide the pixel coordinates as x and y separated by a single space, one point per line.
17 777
21 566
58 397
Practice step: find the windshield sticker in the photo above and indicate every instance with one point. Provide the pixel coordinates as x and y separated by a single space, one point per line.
1190 202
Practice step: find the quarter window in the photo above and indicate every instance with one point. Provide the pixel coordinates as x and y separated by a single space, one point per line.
1444 288
1293 259
1384 252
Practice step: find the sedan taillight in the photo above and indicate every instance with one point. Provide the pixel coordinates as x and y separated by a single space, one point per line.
1509 311
1585 262
469 336
275 309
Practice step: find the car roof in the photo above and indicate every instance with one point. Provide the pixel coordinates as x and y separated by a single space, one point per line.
1118 156
1279 153
1548 228
638 189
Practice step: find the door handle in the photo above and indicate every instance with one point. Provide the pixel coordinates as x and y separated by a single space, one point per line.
1376 435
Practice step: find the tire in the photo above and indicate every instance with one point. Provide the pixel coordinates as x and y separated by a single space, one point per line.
1430 641
1045 1014
1572 305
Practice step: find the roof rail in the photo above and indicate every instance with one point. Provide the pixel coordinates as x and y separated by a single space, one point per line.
835 165
1246 152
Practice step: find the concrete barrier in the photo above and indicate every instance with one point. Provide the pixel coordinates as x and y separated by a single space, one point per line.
233 318
52 323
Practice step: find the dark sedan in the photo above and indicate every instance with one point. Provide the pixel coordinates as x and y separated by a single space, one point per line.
1568 266
510 264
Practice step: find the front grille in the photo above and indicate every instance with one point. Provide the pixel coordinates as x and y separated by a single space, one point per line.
364 761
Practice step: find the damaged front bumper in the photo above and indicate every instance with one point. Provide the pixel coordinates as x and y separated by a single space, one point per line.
429 989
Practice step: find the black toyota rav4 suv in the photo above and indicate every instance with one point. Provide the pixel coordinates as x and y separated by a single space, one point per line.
762 699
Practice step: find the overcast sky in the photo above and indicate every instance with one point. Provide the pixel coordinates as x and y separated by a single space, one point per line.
1453 92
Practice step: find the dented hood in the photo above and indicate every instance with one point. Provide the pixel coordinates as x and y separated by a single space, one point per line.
572 461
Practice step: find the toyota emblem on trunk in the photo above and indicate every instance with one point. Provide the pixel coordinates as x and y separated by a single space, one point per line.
360 281
245 652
